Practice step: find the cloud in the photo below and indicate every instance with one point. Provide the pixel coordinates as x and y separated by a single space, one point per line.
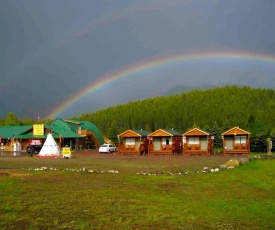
52 49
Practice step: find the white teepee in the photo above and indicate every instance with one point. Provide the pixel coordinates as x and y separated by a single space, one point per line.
50 148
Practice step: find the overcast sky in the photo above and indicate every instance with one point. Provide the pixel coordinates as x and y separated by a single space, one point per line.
51 49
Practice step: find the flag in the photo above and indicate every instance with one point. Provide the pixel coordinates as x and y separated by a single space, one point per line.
38 118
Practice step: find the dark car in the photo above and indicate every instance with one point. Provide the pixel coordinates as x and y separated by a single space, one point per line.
34 148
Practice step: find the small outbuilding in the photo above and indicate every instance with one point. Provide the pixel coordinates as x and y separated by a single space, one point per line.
165 142
236 141
133 142
197 142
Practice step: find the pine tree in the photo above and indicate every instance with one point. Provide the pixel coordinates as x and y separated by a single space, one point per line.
113 132
11 119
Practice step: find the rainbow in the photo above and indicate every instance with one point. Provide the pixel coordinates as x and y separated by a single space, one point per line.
156 62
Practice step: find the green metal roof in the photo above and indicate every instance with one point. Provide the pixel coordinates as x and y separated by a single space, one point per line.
13 131
173 132
73 125
142 133
90 126
65 129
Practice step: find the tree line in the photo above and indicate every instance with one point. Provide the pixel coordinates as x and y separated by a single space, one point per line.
12 120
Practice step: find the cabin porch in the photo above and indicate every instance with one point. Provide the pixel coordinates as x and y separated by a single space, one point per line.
165 150
239 149
128 149
195 150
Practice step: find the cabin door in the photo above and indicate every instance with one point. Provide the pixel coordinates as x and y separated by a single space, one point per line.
138 142
229 142
204 143
156 143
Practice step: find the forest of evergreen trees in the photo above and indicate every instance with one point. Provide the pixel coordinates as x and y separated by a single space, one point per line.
213 110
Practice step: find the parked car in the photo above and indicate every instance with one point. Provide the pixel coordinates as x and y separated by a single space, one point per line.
107 148
34 148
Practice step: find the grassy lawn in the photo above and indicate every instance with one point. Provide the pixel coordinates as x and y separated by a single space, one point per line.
73 198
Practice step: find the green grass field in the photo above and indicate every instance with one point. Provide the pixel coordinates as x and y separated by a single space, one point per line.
74 198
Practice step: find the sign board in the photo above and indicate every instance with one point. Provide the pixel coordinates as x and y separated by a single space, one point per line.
35 142
38 129
66 150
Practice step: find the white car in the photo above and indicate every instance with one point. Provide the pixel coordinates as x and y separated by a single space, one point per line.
107 148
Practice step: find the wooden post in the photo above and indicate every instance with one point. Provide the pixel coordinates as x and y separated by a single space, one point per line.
268 147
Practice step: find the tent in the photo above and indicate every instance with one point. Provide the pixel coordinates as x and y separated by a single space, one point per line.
50 148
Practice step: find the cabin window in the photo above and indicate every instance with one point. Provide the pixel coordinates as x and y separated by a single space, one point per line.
193 140
240 139
166 140
130 141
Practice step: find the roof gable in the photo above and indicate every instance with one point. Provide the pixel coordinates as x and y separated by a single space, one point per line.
196 132
165 132
134 133
129 133
235 131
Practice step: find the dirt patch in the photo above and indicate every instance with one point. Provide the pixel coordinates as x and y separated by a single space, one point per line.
4 174
13 172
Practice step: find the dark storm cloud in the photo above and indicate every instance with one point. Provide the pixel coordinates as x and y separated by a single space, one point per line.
52 49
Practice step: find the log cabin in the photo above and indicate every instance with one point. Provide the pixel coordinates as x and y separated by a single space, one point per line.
165 142
197 142
236 141
133 142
